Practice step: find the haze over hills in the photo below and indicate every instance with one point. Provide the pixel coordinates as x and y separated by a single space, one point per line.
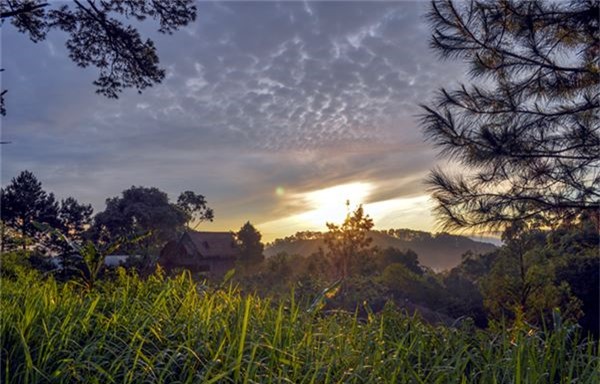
437 251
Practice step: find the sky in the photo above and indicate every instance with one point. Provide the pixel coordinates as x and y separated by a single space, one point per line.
277 112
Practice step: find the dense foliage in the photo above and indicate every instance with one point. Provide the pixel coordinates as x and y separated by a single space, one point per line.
527 131
97 36
175 330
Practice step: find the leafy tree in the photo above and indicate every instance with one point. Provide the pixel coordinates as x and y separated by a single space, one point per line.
574 248
522 283
463 297
195 207
402 281
25 202
251 248
140 210
529 131
98 37
345 241
407 258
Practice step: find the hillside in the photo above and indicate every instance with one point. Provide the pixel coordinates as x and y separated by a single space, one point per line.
441 251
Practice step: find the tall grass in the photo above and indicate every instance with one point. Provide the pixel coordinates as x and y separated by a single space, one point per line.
175 331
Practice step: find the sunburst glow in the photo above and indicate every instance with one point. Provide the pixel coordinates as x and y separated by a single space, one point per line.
332 204
328 205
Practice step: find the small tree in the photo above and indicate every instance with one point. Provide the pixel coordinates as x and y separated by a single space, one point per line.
345 241
529 133
251 247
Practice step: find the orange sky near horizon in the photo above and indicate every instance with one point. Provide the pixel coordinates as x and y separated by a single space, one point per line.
311 210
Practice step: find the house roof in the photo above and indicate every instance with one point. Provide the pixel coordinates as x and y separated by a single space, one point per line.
214 244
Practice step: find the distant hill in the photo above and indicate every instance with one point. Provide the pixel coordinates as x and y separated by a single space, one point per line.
437 251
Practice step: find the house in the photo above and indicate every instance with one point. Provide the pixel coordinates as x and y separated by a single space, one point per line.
109 260
214 253
119 260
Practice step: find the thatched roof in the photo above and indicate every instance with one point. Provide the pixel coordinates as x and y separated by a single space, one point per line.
214 244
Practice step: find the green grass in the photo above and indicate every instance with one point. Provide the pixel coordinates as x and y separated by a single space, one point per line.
175 331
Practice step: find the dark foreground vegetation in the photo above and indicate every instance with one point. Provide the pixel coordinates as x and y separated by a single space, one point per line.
174 330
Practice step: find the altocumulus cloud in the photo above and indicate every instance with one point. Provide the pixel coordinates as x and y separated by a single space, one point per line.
300 95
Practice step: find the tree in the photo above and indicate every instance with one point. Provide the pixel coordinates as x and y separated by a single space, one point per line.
139 211
98 37
577 263
251 248
402 282
345 241
522 283
529 132
195 207
408 259
24 202
74 217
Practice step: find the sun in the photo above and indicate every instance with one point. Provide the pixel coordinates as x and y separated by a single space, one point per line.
331 204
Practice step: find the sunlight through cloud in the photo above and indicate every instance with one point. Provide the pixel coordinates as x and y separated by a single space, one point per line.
329 205
332 204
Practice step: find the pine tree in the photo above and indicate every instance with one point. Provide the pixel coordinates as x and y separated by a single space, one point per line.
24 202
527 134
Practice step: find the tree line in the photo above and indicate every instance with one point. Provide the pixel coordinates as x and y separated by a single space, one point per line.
536 274
141 220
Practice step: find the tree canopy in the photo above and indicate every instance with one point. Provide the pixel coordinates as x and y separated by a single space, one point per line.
527 130
143 211
97 35
195 207
139 211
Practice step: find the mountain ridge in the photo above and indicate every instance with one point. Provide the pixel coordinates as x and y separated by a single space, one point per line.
440 251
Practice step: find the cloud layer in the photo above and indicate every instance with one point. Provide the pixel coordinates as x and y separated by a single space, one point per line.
261 95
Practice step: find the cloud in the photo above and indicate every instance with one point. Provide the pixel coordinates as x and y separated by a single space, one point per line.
304 95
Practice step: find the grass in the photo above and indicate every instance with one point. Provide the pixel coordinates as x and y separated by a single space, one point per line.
174 331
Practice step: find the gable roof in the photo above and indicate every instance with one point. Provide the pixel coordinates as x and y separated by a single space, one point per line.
214 244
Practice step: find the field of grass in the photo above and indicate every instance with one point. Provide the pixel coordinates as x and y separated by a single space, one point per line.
176 331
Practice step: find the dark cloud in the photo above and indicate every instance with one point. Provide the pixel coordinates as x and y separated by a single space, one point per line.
305 95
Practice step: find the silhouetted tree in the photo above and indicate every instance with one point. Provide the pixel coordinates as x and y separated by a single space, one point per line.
528 132
25 202
345 241
251 248
195 207
138 211
74 217
74 220
98 37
